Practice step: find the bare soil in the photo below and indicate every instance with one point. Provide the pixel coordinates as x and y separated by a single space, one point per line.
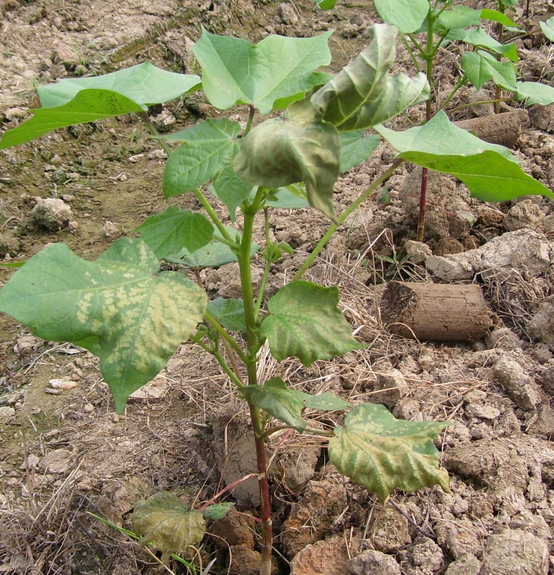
65 454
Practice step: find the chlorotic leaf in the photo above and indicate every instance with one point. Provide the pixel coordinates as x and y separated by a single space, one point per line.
281 152
383 453
174 229
363 94
207 147
144 83
408 15
218 510
356 147
87 106
166 522
269 75
305 322
532 93
278 400
229 313
119 307
324 401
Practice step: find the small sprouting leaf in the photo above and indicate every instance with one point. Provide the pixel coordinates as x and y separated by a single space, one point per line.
478 37
480 67
407 15
229 313
279 152
278 400
175 229
144 83
356 147
489 171
118 307
548 28
218 510
363 94
166 522
534 93
207 147
269 75
87 106
305 322
383 453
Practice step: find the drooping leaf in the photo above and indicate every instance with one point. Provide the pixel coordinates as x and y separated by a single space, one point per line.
87 106
489 171
230 188
383 453
548 28
119 307
363 94
407 15
167 523
478 37
534 93
218 510
281 152
207 147
175 229
305 322
278 400
144 83
496 16
229 313
269 75
355 148
480 67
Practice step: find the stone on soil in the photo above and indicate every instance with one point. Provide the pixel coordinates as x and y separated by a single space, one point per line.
525 214
423 558
466 565
327 557
373 562
51 214
390 531
517 384
541 325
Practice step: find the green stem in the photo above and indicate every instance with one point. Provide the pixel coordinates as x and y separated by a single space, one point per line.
417 45
410 52
223 333
342 218
251 112
231 244
464 106
461 81
267 268
225 366
144 117
213 216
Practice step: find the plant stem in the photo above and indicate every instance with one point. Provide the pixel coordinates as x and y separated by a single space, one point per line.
342 218
461 81
410 52
251 112
267 268
224 490
422 204
223 333
144 117
213 216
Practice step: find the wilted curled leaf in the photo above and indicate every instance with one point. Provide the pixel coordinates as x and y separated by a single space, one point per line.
278 152
166 522
381 453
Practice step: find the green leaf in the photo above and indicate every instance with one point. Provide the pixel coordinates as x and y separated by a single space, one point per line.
230 188
383 453
363 94
305 322
489 171
12 264
324 401
144 83
459 17
548 28
478 37
278 400
496 16
534 93
269 75
119 307
355 148
326 4
166 522
290 197
407 15
174 229
207 147
87 106
279 152
218 511
480 67
229 313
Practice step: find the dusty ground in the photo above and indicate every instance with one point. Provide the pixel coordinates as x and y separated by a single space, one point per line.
65 454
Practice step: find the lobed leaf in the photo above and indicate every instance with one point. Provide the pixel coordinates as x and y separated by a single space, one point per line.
229 313
363 94
87 106
269 75
207 148
407 15
279 152
479 38
166 522
118 307
305 322
175 229
480 67
382 453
